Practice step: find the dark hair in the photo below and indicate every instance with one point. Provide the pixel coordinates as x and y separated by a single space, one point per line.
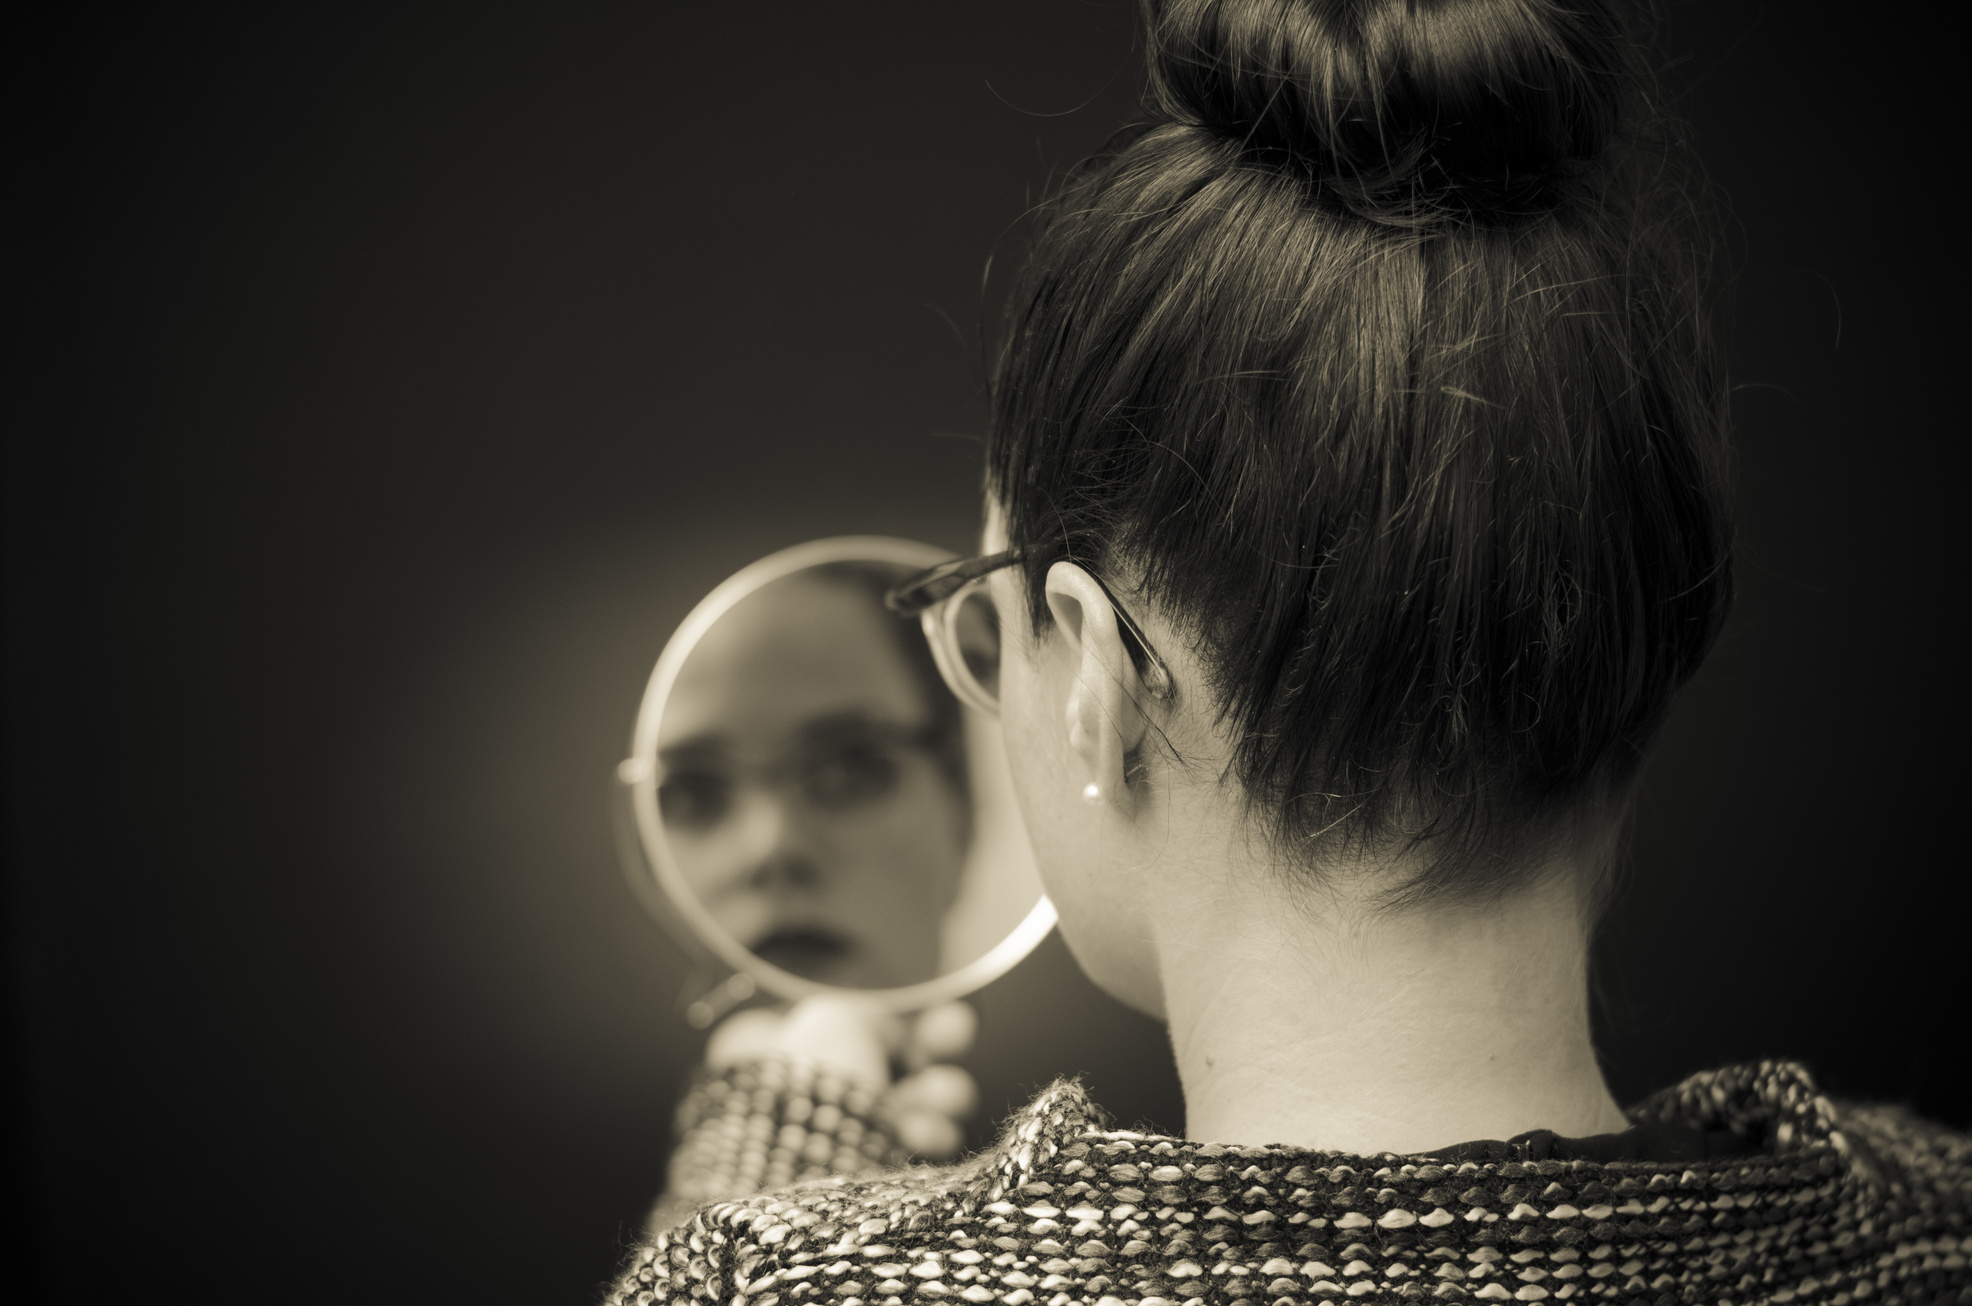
1380 359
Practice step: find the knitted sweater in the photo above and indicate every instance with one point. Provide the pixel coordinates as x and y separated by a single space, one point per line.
1739 1185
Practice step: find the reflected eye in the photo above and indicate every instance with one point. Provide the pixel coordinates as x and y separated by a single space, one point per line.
850 775
695 799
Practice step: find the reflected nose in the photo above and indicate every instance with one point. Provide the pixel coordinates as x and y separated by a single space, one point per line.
776 856
785 869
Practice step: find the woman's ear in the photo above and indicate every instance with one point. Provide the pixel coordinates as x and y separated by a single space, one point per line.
1103 721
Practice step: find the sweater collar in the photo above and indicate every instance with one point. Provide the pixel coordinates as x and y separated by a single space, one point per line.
1771 1107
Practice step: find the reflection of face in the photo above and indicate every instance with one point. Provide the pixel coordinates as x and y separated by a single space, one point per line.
802 790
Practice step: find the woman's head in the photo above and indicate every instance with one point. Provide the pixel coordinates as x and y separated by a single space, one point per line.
1377 364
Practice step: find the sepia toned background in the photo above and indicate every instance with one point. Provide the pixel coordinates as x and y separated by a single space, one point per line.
394 378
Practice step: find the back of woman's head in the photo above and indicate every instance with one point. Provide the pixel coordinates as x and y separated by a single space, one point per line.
1379 357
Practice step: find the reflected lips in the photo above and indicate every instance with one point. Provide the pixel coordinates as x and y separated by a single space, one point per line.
806 952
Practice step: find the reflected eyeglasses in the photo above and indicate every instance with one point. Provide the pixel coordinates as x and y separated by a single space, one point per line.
963 628
840 765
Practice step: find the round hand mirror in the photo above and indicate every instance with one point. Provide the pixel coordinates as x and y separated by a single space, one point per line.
812 803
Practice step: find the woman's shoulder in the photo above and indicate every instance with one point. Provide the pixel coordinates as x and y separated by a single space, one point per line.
1784 1183
1777 1105
849 1239
823 1240
1916 1159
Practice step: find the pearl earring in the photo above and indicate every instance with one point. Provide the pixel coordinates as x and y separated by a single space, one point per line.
1091 793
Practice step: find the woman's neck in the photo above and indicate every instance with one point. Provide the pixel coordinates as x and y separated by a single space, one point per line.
1342 1030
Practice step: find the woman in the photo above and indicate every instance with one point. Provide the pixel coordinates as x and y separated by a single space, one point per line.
1357 505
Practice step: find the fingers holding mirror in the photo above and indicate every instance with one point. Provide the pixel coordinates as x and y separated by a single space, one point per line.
815 803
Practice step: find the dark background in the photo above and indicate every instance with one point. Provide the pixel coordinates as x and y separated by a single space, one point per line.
393 379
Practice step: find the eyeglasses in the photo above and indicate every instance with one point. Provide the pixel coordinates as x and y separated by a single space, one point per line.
963 628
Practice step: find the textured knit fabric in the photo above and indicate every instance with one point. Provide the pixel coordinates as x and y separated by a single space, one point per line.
1819 1204
767 1125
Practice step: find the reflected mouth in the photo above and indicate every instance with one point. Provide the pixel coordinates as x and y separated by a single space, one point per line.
805 951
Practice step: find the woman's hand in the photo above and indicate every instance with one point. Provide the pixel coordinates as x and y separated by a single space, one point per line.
928 1105
925 1107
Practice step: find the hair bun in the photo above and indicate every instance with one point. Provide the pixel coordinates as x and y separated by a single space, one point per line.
1402 110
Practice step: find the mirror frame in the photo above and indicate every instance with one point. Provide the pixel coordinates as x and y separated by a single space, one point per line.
638 775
